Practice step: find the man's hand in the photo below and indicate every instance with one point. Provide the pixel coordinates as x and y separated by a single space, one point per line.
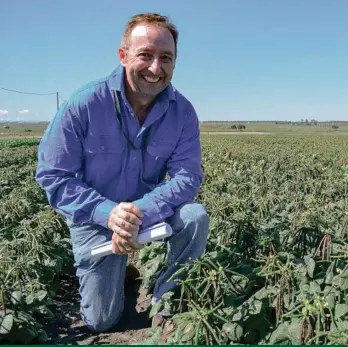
124 221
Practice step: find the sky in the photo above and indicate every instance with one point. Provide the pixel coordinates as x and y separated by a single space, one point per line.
237 60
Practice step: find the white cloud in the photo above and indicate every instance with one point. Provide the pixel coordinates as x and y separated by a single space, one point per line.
24 111
3 112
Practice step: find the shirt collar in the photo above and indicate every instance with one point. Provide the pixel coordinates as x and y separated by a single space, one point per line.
116 82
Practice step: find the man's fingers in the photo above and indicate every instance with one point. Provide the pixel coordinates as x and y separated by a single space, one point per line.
134 244
121 245
129 207
130 217
124 245
115 248
121 232
124 225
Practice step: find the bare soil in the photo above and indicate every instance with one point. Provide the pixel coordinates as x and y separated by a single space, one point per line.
67 327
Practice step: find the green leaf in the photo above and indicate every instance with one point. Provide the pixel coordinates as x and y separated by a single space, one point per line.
343 283
294 329
29 299
44 310
281 334
188 332
42 336
234 331
341 310
16 297
331 300
315 287
166 296
41 294
248 308
6 323
310 263
156 308
233 300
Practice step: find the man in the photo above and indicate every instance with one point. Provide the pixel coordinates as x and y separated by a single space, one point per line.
103 162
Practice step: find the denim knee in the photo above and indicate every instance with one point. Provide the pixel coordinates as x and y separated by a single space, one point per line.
100 322
197 214
102 293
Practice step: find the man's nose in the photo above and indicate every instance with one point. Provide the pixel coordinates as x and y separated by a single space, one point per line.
155 66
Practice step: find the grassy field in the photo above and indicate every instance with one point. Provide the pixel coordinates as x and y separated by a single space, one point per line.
36 129
275 270
25 129
281 128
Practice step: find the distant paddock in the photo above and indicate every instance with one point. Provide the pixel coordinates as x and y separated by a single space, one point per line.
234 133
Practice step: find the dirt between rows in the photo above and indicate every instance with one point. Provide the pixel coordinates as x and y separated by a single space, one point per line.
67 328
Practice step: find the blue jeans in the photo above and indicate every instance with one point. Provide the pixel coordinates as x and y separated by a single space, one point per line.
102 280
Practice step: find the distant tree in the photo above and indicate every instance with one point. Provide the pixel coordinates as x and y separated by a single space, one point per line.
335 127
28 130
233 126
241 126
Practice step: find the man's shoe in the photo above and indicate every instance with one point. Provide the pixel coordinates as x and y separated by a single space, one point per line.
132 273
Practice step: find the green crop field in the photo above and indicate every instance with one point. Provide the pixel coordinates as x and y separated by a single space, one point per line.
275 270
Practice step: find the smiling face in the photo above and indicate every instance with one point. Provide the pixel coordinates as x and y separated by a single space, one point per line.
148 61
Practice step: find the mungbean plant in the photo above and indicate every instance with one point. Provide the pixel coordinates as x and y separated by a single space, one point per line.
275 270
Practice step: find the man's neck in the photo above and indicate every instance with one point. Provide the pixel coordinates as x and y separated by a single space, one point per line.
141 104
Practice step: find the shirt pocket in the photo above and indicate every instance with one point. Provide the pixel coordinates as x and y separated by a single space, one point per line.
104 145
104 157
156 159
160 150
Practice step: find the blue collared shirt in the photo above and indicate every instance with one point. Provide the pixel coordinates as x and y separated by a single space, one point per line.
86 165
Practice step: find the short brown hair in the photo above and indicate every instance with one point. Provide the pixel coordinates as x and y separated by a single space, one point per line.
150 18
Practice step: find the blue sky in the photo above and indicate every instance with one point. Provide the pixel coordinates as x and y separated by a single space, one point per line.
238 60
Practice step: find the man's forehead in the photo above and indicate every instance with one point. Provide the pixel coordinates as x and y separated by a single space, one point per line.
143 33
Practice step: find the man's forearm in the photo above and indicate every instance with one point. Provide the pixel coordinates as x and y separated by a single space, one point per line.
160 203
73 198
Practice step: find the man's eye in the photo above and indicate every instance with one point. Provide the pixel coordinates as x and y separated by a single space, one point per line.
167 58
146 55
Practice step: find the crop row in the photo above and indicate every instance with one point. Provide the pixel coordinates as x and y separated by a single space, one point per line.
275 270
34 248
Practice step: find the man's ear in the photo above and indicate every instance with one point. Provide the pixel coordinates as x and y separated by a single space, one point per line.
122 55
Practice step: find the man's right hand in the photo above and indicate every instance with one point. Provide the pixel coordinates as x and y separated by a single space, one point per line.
124 221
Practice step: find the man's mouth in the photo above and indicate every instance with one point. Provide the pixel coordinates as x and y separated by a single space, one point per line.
151 79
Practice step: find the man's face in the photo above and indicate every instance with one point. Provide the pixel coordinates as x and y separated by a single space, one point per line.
149 59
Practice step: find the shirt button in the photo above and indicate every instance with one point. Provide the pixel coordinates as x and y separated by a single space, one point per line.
134 158
102 148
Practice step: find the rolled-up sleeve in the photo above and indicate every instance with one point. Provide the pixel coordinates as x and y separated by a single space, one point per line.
60 157
184 169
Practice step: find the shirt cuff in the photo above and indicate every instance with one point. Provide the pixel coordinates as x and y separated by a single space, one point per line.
102 212
150 210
